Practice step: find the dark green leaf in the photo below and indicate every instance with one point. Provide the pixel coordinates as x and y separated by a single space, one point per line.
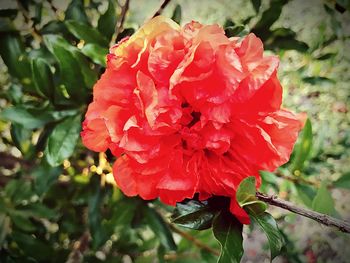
28 118
108 21
32 246
160 228
269 226
177 14
37 13
21 137
228 231
256 5
13 53
326 56
318 80
246 191
86 33
44 176
323 201
343 181
193 214
255 206
303 149
74 68
43 78
8 12
268 18
6 25
76 11
62 140
233 31
22 222
96 53
55 27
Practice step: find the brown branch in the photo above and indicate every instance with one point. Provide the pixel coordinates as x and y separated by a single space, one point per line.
327 220
161 8
120 24
194 240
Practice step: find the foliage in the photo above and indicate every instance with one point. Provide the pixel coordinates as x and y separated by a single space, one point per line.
59 201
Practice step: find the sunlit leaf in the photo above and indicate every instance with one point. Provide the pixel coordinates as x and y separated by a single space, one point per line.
343 181
323 201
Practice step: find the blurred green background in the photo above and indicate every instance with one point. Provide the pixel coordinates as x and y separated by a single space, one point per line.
58 201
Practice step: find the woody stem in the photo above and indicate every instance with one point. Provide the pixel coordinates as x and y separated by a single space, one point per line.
327 220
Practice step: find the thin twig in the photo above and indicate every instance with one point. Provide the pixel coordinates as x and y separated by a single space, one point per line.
161 8
194 240
120 24
327 220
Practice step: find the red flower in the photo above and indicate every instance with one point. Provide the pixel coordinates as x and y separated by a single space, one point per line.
188 110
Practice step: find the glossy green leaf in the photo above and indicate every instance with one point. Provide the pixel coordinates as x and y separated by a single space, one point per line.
323 201
86 33
343 181
228 231
62 141
177 14
75 72
43 78
269 226
255 206
108 20
96 53
160 228
246 190
303 149
22 222
193 214
76 11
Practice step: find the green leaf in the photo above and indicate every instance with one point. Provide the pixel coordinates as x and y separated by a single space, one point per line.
326 56
126 32
21 137
193 214
86 33
107 22
256 5
343 181
75 72
306 194
269 226
13 54
28 118
303 148
44 176
228 231
43 78
76 11
5 229
246 191
177 14
160 228
96 53
268 18
22 222
256 206
323 201
233 31
317 80
62 141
